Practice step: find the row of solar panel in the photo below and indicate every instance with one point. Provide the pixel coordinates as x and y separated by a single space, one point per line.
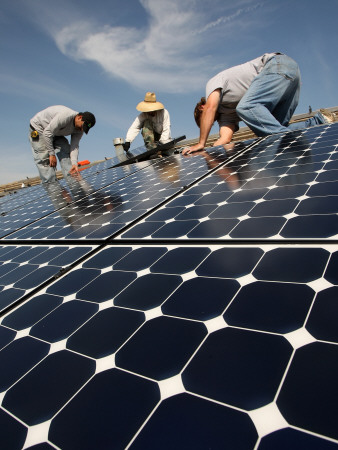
281 188
140 318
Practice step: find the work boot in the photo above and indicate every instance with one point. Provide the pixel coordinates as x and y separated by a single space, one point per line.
328 116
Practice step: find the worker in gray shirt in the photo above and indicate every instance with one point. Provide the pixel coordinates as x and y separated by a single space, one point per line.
48 129
263 93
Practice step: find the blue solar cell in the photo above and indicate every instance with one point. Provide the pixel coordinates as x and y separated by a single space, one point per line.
180 303
63 321
148 292
161 347
104 333
6 336
106 286
273 307
186 421
238 367
331 273
9 297
32 311
311 404
18 358
180 260
13 433
48 387
107 258
86 422
140 258
290 265
73 281
294 439
230 262
322 322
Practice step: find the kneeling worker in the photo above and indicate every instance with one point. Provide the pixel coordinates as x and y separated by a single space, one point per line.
154 121
263 93
48 129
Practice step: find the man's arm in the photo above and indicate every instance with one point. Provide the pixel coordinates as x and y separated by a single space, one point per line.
74 151
59 121
207 121
225 134
165 135
135 128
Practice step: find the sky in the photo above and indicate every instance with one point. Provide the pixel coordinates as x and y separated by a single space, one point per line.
103 56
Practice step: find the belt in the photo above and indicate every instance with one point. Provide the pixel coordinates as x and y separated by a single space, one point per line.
32 128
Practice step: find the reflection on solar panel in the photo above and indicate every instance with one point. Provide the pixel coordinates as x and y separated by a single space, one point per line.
180 303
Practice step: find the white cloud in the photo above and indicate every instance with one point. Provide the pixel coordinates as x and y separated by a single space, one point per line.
160 55
231 18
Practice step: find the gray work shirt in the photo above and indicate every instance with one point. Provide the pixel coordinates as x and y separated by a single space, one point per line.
58 121
234 83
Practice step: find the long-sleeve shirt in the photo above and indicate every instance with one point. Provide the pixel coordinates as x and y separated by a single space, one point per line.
161 124
58 121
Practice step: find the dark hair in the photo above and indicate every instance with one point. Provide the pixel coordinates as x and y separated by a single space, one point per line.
198 111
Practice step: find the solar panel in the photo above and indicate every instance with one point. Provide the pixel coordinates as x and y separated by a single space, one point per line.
120 337
103 208
58 196
283 187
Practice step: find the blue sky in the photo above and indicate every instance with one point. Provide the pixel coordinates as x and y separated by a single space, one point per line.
103 56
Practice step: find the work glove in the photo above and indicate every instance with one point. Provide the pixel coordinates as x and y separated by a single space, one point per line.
126 146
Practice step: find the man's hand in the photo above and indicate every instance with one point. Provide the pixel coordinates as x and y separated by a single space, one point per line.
194 148
74 169
52 161
126 146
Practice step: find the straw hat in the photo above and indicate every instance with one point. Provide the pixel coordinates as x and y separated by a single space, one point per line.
150 103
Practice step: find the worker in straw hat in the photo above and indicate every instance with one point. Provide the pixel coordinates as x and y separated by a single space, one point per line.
154 121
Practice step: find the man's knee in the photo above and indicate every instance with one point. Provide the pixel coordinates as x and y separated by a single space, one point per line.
148 133
242 109
148 128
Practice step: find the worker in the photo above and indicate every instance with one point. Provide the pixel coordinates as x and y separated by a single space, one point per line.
48 129
263 93
154 121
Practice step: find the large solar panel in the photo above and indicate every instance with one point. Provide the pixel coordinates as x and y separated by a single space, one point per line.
97 208
180 303
284 187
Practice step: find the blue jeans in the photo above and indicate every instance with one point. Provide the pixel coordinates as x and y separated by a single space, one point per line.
41 157
269 103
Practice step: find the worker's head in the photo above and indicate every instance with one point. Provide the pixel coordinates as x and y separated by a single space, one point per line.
84 121
149 104
198 111
199 108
